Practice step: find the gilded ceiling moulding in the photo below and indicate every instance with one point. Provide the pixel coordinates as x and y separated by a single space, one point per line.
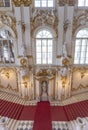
18 3
64 2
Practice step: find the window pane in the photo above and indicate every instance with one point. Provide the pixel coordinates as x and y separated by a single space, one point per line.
49 58
44 34
84 42
44 49
87 54
82 54
1 51
50 3
39 55
4 3
38 49
82 61
38 43
50 49
49 43
6 51
81 47
83 33
6 47
43 3
77 48
86 3
37 3
44 46
38 61
44 61
76 61
7 4
81 2
78 42
86 61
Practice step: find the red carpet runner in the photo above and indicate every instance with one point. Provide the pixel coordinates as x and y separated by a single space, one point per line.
42 120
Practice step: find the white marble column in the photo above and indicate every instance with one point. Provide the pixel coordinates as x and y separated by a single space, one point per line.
37 89
56 86
68 40
19 30
60 29
27 30
49 87
59 87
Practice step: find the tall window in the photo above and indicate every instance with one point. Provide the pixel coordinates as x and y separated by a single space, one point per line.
82 2
6 47
81 47
4 3
44 3
44 47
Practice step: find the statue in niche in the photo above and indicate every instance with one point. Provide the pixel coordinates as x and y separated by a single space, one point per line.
44 94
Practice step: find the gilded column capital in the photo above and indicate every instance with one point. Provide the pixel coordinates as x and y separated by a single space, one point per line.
64 2
18 3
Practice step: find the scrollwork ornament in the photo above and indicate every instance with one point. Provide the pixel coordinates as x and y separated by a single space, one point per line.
23 62
64 2
80 20
44 18
7 20
18 3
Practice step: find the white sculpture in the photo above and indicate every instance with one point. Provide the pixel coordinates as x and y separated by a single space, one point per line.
44 95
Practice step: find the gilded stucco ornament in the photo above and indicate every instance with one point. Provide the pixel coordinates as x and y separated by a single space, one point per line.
7 72
8 21
64 2
23 62
80 20
44 73
18 3
83 72
66 25
79 87
44 18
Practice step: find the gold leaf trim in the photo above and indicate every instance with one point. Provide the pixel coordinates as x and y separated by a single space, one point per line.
18 3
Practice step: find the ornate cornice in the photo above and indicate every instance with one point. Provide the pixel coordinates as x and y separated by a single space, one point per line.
18 3
64 2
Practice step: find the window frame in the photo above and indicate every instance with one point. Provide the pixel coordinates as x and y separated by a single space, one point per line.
42 7
84 5
80 47
4 4
8 49
41 39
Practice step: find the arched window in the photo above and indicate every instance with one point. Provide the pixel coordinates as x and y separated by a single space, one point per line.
6 47
44 3
82 2
81 47
44 47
